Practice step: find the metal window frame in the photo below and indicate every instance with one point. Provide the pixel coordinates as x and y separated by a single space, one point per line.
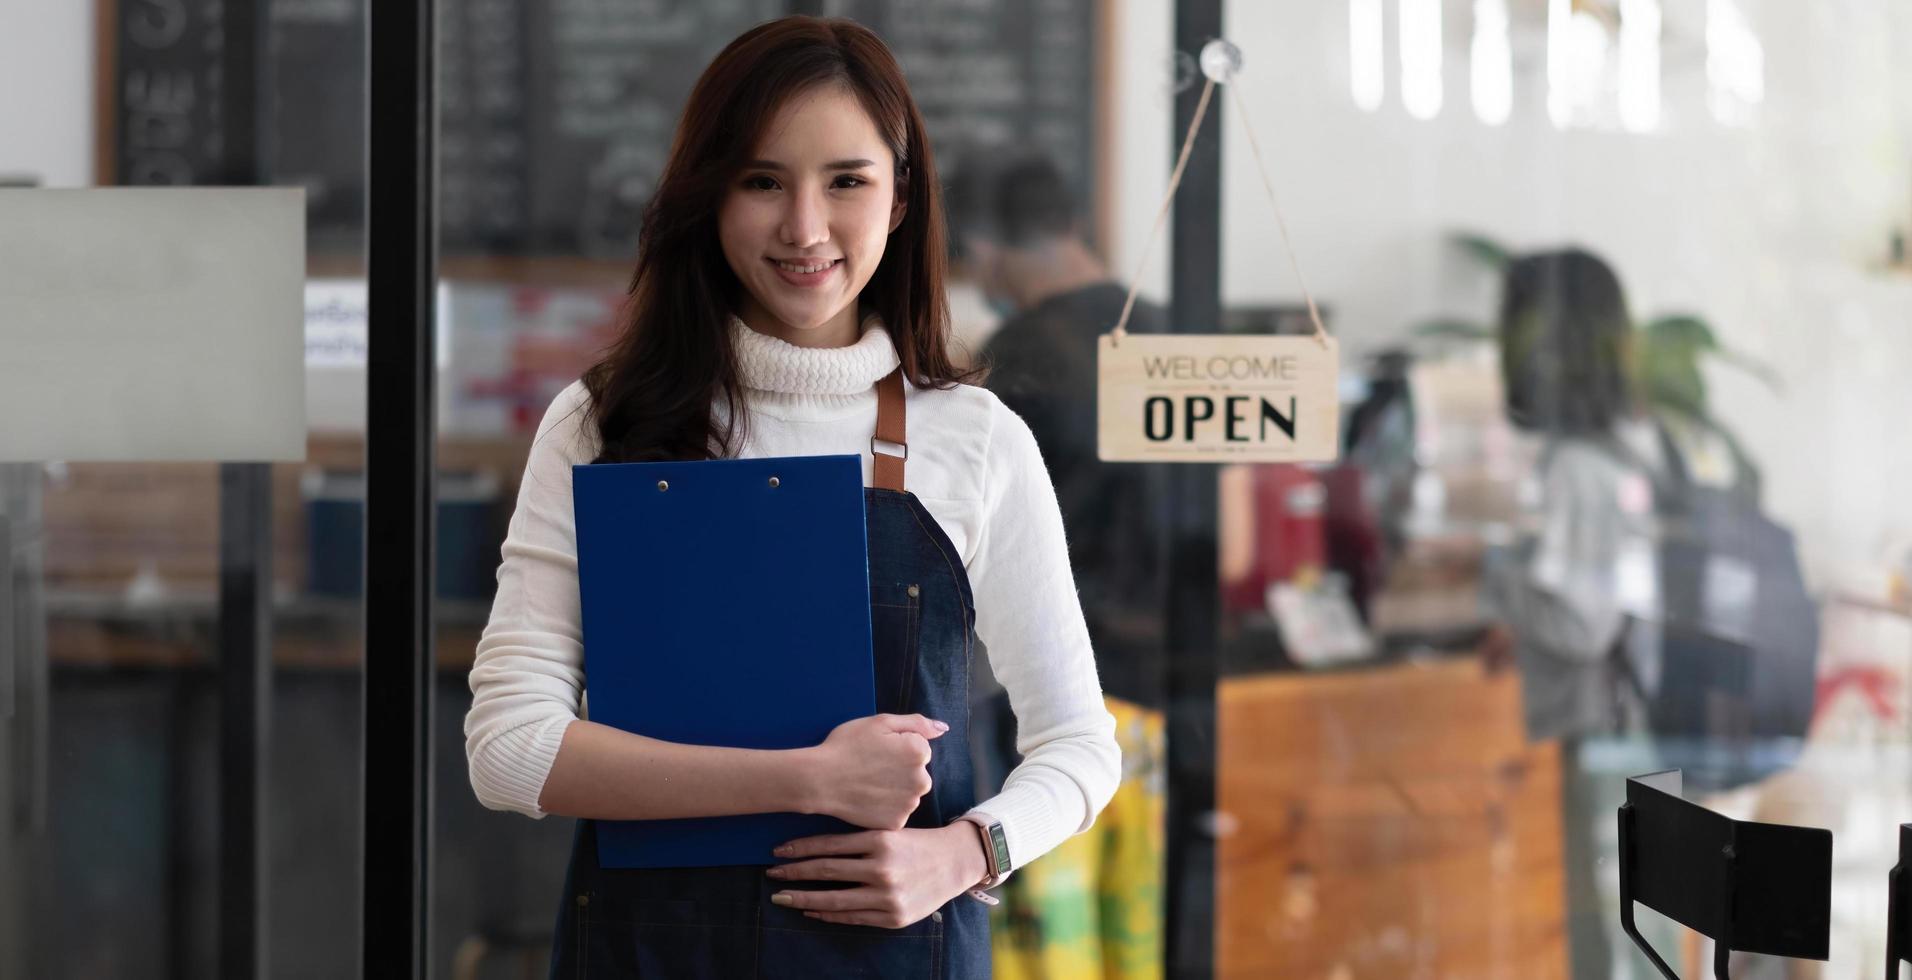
1193 625
244 640
401 259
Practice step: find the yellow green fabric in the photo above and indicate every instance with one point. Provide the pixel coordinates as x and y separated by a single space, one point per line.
1092 908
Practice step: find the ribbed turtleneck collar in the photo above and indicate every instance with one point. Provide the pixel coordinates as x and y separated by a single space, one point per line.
813 377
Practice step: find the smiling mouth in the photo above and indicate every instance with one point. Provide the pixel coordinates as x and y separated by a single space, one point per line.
805 268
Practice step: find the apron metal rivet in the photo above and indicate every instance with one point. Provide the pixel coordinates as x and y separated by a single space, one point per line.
774 483
913 591
663 485
936 916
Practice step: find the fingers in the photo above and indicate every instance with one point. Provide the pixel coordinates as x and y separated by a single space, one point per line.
920 744
831 845
881 920
914 724
838 900
827 869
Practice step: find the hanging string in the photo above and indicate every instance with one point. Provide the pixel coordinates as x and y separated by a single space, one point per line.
1161 214
1175 182
1314 314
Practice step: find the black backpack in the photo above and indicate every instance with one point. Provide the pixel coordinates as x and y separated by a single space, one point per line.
1732 693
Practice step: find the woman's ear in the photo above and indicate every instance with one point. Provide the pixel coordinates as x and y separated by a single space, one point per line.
897 211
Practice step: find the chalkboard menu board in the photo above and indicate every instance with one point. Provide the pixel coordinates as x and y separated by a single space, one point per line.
556 115
608 79
166 123
998 77
167 127
314 125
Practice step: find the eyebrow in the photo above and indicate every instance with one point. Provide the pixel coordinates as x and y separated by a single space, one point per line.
833 165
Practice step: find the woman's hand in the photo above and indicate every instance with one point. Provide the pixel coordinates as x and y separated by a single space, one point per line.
904 875
872 771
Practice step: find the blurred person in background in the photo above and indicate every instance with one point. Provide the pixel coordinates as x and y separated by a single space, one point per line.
974 317
1582 568
1094 907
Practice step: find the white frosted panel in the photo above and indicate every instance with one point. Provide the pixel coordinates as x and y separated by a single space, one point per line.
152 324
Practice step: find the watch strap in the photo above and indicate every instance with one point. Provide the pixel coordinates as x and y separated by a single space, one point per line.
995 848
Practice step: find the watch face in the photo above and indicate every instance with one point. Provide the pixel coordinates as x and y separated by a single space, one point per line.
1001 846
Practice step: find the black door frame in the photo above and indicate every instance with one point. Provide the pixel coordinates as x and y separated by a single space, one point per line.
1192 624
402 271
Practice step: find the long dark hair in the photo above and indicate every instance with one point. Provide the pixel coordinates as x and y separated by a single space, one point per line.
653 393
1564 331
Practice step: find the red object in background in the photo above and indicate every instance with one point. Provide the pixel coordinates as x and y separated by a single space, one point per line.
543 360
1355 547
1878 686
1290 507
528 393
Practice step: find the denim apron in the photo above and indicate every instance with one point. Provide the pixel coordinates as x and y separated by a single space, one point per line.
719 922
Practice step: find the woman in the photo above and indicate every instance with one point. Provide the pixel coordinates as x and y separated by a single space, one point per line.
788 292
1586 565
1584 569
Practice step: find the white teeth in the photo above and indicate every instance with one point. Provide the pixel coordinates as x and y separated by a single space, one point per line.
803 269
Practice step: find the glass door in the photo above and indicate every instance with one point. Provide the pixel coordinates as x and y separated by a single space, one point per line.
181 648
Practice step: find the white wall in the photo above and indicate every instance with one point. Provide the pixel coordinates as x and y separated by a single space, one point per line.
1769 232
1143 42
46 91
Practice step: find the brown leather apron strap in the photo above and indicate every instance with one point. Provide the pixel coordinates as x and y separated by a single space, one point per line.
890 427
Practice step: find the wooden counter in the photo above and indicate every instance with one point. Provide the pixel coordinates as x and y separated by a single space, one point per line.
1386 822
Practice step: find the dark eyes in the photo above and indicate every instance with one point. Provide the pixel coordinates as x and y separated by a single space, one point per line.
764 182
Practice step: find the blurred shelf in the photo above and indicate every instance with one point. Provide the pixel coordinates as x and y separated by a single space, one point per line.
1871 604
97 629
105 607
529 270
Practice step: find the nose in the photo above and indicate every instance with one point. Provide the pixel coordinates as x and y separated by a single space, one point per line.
805 223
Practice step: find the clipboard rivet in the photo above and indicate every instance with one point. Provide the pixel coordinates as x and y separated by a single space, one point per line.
663 485
774 483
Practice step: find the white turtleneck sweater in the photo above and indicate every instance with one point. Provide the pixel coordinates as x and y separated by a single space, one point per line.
975 467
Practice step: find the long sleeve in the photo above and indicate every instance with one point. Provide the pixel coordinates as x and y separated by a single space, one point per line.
1030 619
1591 561
528 676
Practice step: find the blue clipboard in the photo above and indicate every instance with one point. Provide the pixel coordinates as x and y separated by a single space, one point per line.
725 602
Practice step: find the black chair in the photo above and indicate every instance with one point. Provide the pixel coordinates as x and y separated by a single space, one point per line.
1751 887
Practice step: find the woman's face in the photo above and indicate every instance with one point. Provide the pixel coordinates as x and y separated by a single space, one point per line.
805 222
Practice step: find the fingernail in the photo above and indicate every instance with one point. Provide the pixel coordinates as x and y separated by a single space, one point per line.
941 726
783 851
775 872
780 898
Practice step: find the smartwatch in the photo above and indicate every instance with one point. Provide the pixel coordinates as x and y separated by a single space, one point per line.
996 847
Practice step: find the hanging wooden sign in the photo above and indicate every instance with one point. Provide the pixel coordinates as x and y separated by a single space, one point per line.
1188 398
1193 398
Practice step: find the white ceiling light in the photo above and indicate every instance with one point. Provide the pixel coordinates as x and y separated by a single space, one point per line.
1421 57
1640 65
1365 59
1735 65
1491 63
